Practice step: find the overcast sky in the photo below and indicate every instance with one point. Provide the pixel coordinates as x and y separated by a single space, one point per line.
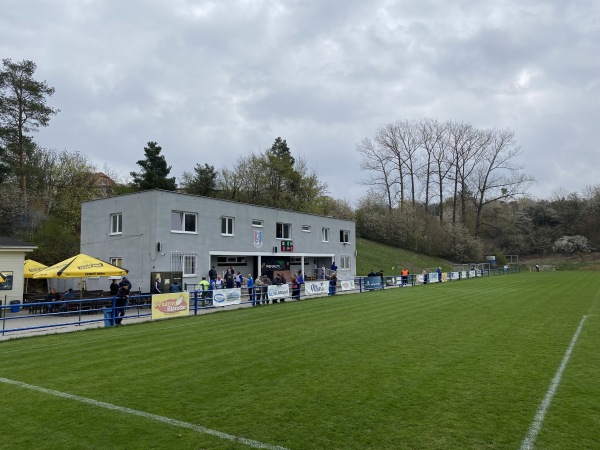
212 80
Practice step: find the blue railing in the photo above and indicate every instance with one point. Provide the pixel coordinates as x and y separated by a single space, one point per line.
104 311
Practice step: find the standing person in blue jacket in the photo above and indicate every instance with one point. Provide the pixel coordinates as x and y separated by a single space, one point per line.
332 283
250 285
439 272
175 287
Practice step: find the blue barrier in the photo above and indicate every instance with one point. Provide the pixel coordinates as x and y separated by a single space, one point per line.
19 317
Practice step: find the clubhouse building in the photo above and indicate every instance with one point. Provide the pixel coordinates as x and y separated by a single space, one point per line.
170 236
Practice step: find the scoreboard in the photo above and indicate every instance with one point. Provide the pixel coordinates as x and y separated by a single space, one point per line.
287 246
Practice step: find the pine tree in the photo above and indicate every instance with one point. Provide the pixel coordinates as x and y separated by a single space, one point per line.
154 171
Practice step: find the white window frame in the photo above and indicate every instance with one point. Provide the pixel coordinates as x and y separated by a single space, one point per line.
283 230
227 223
325 234
345 236
183 215
186 263
116 223
306 228
345 262
116 261
257 223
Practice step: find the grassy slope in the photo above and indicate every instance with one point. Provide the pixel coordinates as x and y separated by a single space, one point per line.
374 256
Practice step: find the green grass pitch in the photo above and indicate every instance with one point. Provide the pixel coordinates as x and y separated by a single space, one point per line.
460 365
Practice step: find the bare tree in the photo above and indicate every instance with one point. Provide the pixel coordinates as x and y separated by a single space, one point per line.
496 176
387 138
378 161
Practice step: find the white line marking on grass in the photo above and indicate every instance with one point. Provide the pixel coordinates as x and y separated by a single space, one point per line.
163 419
536 425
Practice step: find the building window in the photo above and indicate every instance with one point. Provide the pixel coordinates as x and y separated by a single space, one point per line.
345 236
183 222
185 263
283 231
306 228
345 262
116 261
231 261
227 226
325 234
257 223
116 223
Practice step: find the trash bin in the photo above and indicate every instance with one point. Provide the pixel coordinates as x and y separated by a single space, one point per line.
15 306
109 319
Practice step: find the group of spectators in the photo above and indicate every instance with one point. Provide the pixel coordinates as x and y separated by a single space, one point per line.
257 288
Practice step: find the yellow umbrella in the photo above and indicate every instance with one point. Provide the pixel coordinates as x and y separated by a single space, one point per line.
31 267
80 266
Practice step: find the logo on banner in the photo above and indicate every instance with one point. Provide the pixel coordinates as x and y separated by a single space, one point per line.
316 287
225 297
258 241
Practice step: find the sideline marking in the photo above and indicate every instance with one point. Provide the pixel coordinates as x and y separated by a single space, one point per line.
167 420
536 426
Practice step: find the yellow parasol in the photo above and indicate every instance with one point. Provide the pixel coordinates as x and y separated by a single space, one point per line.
80 266
31 267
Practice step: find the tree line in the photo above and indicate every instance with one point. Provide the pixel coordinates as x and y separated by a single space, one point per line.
453 190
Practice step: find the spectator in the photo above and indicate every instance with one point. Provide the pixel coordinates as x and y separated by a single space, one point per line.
404 275
239 279
114 288
295 288
120 304
157 289
218 282
125 282
175 286
67 296
332 283
52 298
212 275
205 288
250 285
265 290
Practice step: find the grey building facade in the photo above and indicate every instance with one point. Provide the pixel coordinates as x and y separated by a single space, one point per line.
158 232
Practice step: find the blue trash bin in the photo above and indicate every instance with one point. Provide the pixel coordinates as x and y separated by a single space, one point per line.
15 306
109 319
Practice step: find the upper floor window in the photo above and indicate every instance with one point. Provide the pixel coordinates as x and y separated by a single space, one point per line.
306 228
325 234
283 231
344 236
116 223
184 222
227 226
345 262
257 223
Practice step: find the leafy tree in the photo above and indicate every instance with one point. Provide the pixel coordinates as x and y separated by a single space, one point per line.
23 110
154 171
202 182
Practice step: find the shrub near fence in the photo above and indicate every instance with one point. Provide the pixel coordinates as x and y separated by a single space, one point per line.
35 317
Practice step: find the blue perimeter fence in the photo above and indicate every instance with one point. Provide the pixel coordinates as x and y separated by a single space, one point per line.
40 315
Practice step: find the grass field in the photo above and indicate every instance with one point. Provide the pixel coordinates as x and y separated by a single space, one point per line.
462 365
